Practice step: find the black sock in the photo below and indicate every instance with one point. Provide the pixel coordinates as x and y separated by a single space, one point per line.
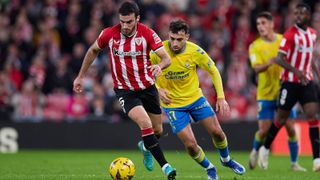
272 133
314 139
151 143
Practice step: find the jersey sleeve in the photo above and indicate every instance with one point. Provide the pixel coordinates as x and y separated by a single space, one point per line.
254 56
103 38
286 42
153 39
154 58
205 62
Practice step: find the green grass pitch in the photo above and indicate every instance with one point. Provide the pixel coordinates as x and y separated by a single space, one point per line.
86 164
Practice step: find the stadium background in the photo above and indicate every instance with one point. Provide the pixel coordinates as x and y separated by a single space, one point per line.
42 44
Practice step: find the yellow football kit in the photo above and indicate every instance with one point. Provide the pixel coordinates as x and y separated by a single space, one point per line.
181 79
260 51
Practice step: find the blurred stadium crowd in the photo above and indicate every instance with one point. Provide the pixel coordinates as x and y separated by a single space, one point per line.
43 42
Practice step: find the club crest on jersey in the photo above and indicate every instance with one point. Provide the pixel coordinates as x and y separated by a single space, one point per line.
138 41
187 65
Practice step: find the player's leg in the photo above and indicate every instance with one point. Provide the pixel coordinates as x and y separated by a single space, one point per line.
315 142
179 119
203 113
157 128
132 105
272 133
310 110
265 115
286 100
220 142
293 145
156 124
150 101
310 106
195 151
150 141
151 104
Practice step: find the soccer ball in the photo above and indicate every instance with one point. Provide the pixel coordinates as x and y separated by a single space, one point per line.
122 169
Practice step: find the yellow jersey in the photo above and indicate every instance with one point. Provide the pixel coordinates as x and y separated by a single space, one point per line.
260 51
181 78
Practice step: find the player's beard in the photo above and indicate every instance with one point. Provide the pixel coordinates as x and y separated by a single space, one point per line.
177 51
126 32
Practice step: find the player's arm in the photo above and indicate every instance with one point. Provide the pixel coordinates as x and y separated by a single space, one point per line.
222 106
258 68
206 63
88 59
315 65
164 62
164 56
163 93
217 81
282 61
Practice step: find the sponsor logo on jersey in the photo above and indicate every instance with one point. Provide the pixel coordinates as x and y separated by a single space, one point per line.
126 53
171 75
156 38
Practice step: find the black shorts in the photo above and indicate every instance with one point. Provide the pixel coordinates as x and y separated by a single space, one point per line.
148 98
291 93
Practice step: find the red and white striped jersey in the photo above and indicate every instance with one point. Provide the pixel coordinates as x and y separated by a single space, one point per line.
298 45
129 56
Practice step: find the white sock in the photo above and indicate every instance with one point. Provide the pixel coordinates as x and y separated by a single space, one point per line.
254 151
226 159
164 167
210 166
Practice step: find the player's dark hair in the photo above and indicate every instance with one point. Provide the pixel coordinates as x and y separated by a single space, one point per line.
304 5
265 14
178 25
129 7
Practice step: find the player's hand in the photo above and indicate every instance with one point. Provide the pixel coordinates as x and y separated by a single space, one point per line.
271 61
222 107
78 85
155 69
163 94
302 77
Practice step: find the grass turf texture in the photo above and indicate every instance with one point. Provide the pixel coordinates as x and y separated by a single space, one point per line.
76 164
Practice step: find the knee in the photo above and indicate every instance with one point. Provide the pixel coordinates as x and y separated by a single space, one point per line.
218 134
192 147
158 131
282 120
310 110
290 130
263 133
